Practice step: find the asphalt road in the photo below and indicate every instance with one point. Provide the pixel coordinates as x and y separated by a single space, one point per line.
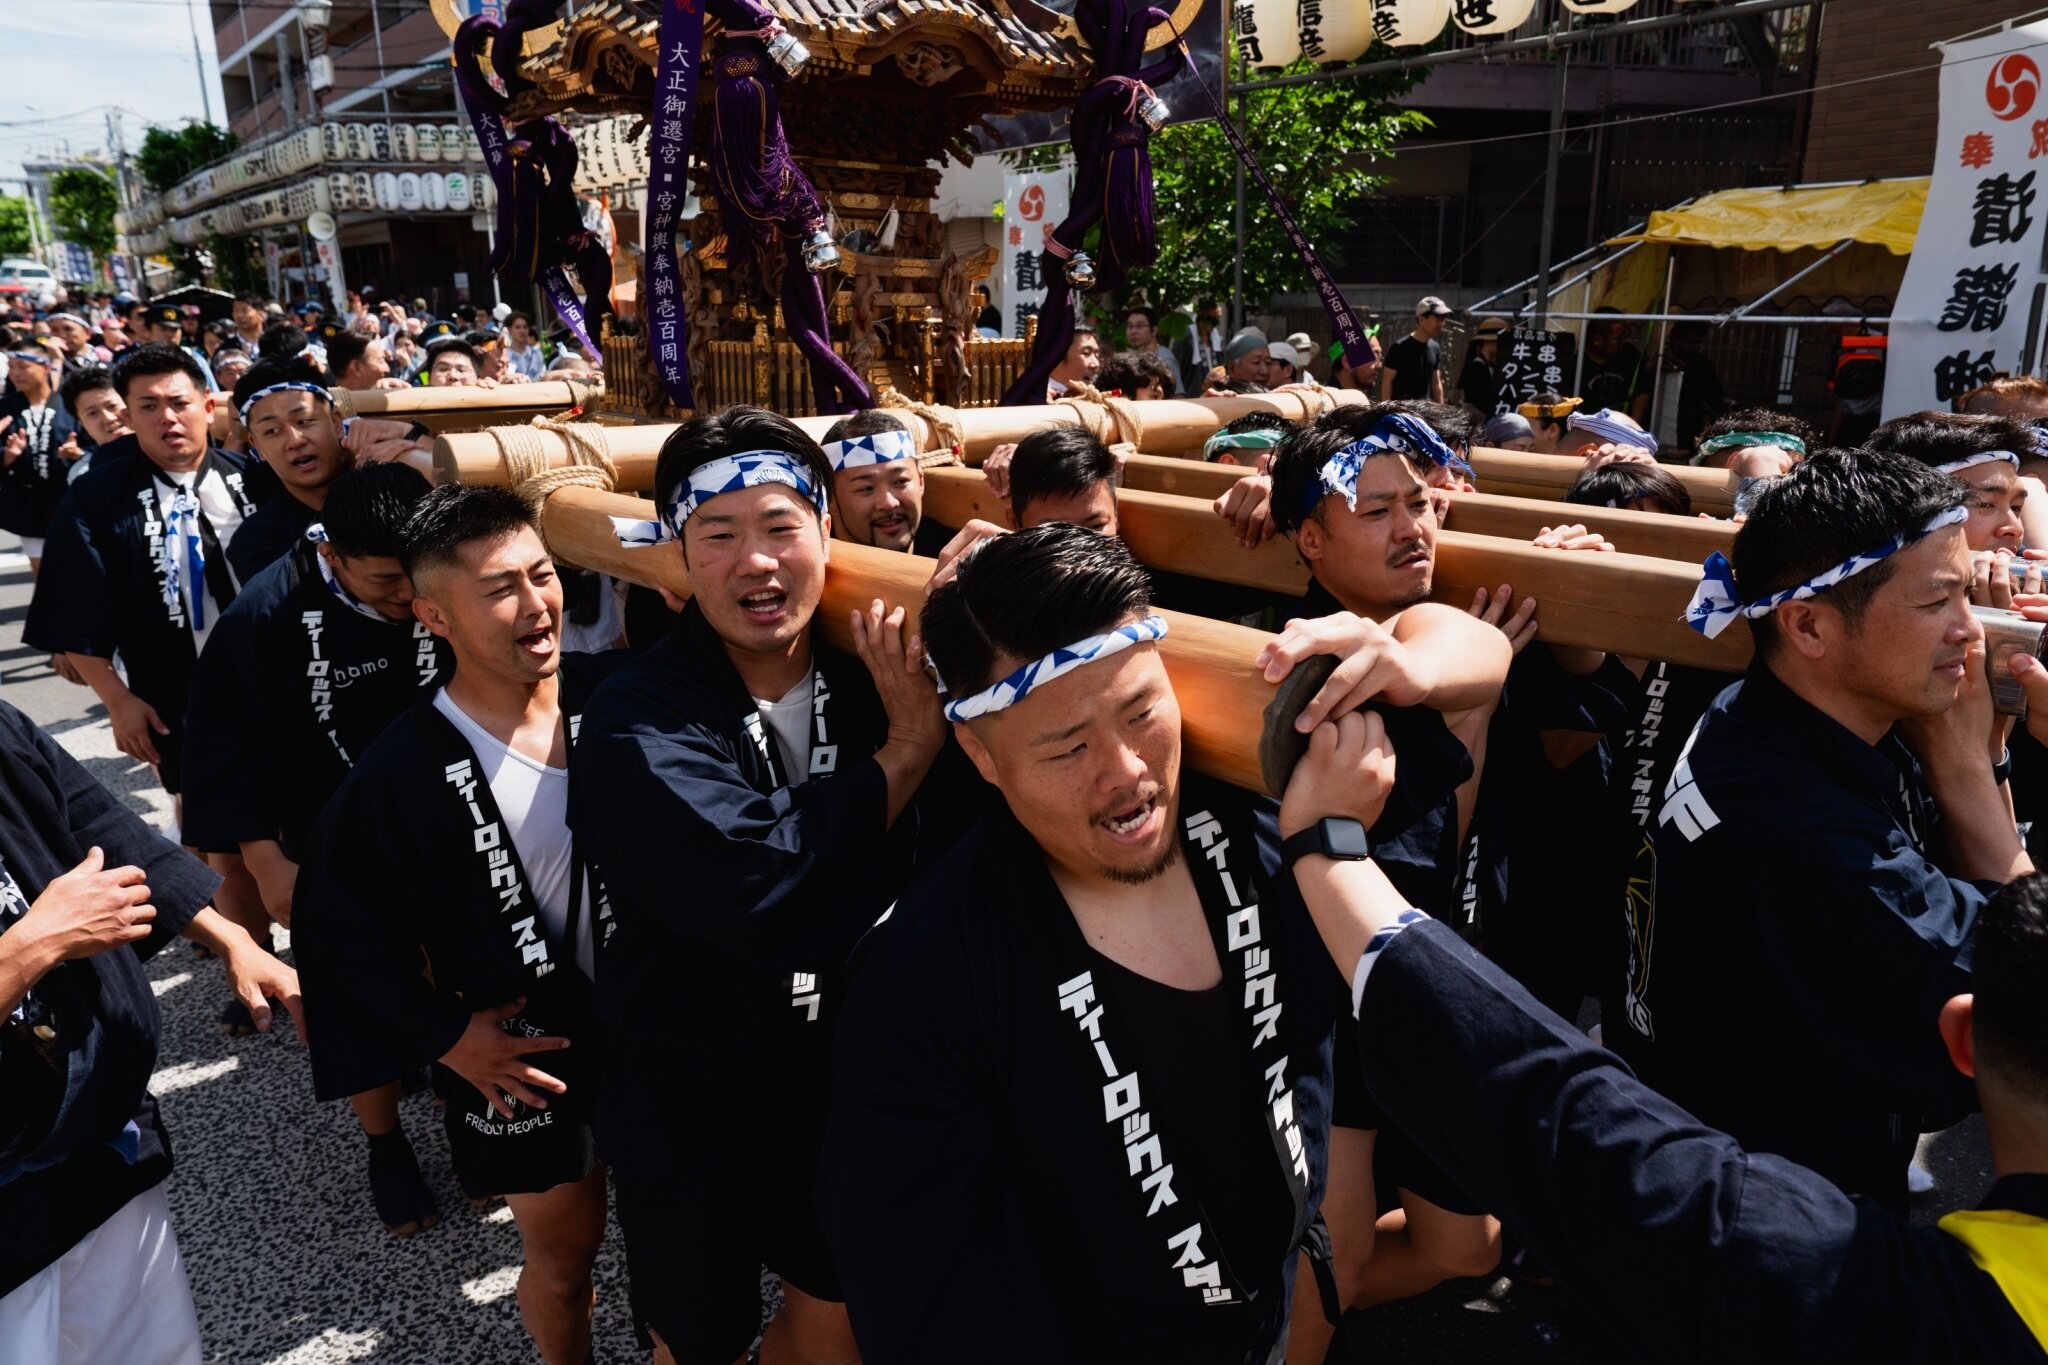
288 1266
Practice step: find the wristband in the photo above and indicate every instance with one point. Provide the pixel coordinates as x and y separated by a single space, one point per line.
2001 771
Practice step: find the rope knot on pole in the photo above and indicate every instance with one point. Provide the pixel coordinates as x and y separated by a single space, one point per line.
526 459
948 435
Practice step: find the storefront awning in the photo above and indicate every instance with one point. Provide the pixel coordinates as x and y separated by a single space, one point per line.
1884 213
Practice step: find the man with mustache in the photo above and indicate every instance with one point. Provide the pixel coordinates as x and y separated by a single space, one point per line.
878 486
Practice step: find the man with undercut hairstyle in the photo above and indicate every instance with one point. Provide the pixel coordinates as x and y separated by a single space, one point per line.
753 795
1083 1080
878 486
317 655
1830 832
303 440
447 915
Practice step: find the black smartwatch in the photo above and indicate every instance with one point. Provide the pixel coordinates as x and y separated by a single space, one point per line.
1333 836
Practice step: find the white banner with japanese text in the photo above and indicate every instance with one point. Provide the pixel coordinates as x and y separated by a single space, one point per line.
1034 203
1972 303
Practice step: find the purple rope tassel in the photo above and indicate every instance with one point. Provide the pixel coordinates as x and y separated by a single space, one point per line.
1113 185
766 195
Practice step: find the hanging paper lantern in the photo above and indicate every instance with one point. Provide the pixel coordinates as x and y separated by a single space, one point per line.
434 190
1268 32
333 141
1490 16
358 141
384 190
1599 6
403 147
341 194
1335 31
1409 23
380 141
458 191
427 141
410 197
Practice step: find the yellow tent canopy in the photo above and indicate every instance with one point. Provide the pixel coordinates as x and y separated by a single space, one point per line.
1883 213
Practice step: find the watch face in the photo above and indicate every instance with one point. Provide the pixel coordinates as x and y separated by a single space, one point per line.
1346 839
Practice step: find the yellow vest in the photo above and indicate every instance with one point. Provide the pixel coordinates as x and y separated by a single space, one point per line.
2012 1248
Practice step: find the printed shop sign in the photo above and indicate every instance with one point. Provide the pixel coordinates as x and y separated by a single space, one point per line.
1972 304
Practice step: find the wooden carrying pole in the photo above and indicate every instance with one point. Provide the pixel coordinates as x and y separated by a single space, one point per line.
465 408
1523 489
1521 475
1626 603
1171 427
1221 696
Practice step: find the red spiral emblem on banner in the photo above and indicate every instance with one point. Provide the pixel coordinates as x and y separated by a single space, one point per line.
2012 86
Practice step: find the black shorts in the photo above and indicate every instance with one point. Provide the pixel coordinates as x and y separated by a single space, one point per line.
1396 1161
530 1153
695 1247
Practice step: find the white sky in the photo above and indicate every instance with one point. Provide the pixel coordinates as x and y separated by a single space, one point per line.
69 61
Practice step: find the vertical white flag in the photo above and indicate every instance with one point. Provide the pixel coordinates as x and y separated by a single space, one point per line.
1972 304
1034 202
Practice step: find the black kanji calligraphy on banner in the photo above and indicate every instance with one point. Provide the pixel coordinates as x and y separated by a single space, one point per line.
1028 274
2000 212
1473 13
1955 375
1977 301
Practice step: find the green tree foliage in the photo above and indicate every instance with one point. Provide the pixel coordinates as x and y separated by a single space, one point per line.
82 204
1317 142
14 239
168 155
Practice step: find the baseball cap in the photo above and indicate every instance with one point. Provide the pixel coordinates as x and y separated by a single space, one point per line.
1430 305
1300 342
1280 350
164 315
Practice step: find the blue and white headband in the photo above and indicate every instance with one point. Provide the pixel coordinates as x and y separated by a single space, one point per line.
727 474
1397 432
881 447
1611 427
42 358
1007 692
1715 604
289 386
1981 457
